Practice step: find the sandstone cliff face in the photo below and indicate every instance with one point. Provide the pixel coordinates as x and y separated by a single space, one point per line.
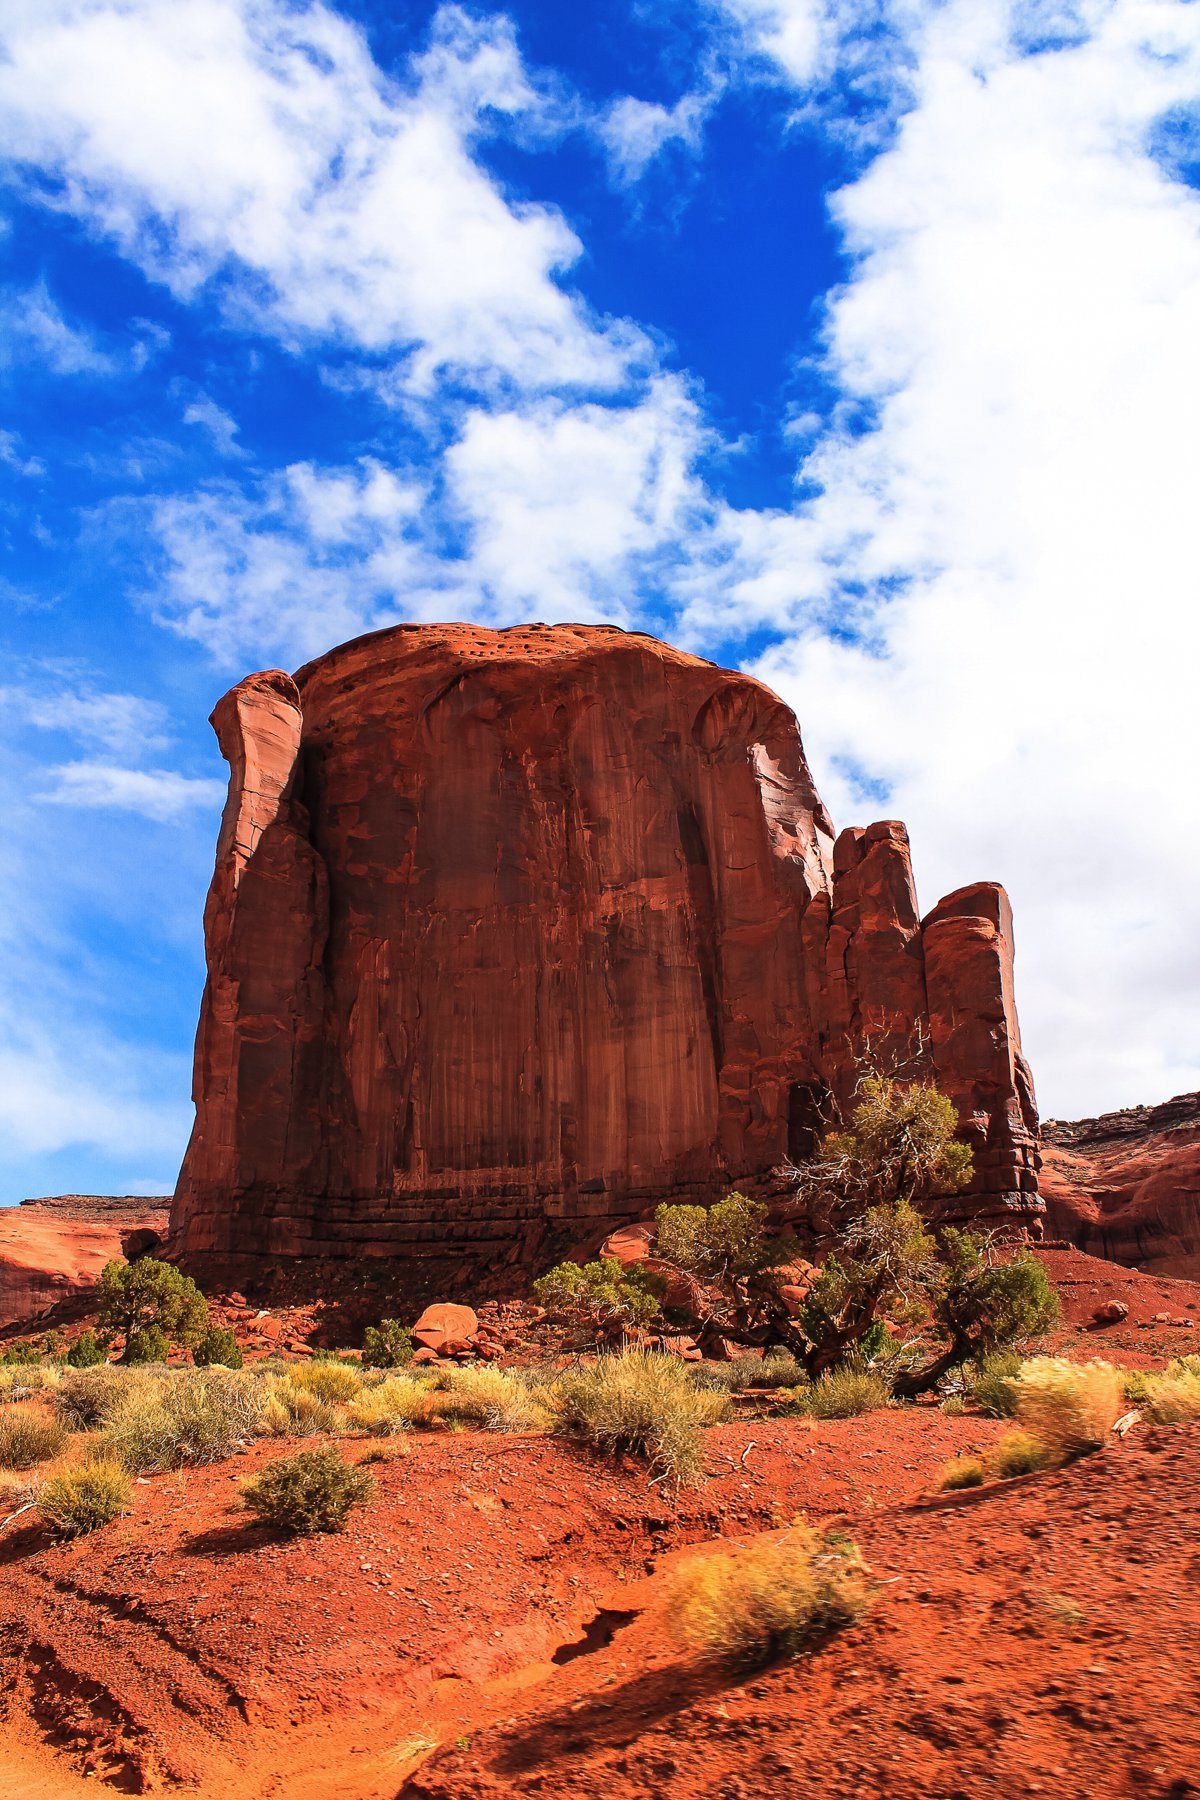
514 934
1126 1186
53 1250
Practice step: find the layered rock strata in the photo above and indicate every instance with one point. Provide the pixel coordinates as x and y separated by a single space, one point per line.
514 934
1126 1186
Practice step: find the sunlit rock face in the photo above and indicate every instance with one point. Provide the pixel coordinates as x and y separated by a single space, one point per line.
514 934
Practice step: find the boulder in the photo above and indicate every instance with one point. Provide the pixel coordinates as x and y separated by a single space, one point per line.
445 1328
514 935
1110 1312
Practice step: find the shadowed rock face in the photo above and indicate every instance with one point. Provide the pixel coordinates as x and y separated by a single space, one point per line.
514 934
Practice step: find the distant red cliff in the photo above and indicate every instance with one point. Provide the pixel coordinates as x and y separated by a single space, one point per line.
1126 1186
53 1250
514 934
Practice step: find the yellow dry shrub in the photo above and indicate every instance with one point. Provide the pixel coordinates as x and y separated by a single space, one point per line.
770 1598
289 1410
488 1397
1174 1397
186 1416
962 1472
29 1436
84 1497
388 1406
1019 1453
1070 1408
334 1383
643 1403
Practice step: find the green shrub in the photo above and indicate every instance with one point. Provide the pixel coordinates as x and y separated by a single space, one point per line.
642 1403
27 1438
962 1472
770 1598
82 1498
954 1406
310 1492
153 1304
1070 1408
994 1388
149 1345
218 1348
20 1354
334 1383
88 1351
602 1297
1018 1453
388 1345
199 1416
844 1393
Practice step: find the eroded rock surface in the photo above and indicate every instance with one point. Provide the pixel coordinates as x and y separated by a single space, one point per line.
1126 1186
515 934
54 1249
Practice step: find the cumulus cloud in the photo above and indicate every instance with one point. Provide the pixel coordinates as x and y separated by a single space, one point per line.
258 149
635 132
990 609
158 794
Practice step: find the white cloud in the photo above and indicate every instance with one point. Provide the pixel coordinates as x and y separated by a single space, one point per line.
220 426
258 147
162 795
13 456
1014 540
635 132
32 327
123 724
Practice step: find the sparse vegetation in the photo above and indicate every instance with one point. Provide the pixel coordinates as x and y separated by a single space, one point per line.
218 1347
290 1411
189 1418
642 1403
770 1598
82 1498
1019 1453
28 1437
153 1304
310 1492
486 1396
334 1383
391 1406
994 1388
963 1472
1070 1408
844 1393
778 1369
1173 1398
85 1397
388 1345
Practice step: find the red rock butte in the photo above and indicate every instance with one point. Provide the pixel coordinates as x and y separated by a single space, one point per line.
515 934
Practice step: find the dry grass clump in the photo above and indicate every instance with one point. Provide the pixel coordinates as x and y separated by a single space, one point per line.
770 1598
1173 1398
84 1497
306 1493
85 1397
1070 1408
334 1383
644 1403
963 1472
286 1410
20 1381
193 1416
488 1397
778 1369
1019 1453
844 1393
28 1437
389 1406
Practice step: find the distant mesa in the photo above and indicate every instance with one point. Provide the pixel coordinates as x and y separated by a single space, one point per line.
514 934
52 1250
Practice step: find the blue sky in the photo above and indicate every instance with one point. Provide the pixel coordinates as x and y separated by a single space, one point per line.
852 344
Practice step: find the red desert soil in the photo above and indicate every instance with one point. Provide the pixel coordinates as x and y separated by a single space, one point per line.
1034 1637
